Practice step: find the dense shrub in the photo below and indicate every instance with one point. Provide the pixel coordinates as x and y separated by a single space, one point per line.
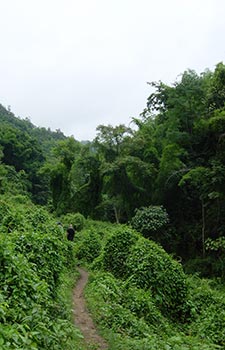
105 299
208 304
18 213
48 254
25 320
131 320
104 229
211 323
142 305
145 264
20 281
33 262
12 216
76 219
106 287
39 219
150 267
150 220
117 249
4 209
89 246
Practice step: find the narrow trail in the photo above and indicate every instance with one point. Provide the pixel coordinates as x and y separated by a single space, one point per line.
82 318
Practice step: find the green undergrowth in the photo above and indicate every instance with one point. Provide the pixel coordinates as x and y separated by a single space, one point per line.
37 267
129 318
140 297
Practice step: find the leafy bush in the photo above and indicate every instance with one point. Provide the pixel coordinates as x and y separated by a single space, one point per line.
211 323
150 267
39 219
104 229
77 220
33 261
48 255
131 321
12 216
142 305
105 296
209 310
18 280
105 287
216 249
147 266
18 213
117 249
4 209
150 220
89 246
24 298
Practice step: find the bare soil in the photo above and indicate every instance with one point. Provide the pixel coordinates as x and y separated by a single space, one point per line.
82 317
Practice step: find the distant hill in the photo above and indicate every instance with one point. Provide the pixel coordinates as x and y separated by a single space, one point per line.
46 137
24 149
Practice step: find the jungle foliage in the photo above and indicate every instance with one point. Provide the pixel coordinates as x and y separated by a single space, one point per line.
36 270
143 299
173 159
143 200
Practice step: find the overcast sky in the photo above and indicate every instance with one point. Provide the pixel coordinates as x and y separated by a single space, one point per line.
76 64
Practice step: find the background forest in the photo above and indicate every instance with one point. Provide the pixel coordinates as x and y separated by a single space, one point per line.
148 204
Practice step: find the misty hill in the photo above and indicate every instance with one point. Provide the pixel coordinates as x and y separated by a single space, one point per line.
45 137
24 149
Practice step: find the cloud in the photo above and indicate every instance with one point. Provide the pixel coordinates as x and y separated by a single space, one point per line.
73 65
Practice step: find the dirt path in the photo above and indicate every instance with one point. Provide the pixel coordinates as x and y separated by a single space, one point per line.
82 318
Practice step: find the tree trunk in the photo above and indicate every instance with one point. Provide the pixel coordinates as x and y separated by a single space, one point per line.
116 214
203 228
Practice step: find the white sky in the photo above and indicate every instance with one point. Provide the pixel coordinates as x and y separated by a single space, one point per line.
74 65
